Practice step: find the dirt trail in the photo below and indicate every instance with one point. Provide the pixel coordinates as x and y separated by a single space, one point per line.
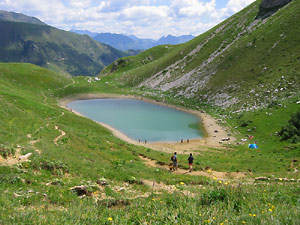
207 173
62 133
12 160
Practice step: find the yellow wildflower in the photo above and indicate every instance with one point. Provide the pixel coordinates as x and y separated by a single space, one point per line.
221 223
226 183
263 211
207 221
161 201
273 207
181 183
109 219
269 203
243 222
226 220
200 214
214 218
254 215
209 171
270 210
250 214
153 199
265 190
220 181
215 178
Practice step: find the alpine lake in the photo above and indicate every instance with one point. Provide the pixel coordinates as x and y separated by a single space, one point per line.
140 120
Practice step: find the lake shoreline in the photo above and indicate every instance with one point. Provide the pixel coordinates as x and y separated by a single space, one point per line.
210 125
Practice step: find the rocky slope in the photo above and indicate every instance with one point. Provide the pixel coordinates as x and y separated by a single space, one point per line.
269 7
243 63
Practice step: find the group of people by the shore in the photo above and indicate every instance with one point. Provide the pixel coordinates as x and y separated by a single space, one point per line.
174 160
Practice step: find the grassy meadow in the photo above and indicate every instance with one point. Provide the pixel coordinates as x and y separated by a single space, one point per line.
38 191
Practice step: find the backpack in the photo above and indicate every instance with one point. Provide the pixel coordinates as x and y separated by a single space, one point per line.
172 158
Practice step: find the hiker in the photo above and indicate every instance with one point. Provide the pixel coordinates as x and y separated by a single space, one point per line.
171 165
181 141
191 160
187 140
175 161
145 141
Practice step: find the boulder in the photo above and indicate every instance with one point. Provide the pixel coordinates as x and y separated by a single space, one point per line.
80 190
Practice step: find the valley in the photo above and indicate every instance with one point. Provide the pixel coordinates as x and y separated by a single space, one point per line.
241 77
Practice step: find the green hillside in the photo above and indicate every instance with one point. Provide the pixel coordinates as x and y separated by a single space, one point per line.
78 172
242 64
38 190
54 49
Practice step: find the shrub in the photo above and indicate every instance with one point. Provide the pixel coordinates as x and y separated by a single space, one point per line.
213 196
56 167
291 131
6 151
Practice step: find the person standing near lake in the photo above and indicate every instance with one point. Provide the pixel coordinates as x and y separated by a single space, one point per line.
175 161
191 160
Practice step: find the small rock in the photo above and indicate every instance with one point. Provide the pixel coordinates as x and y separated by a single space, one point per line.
16 195
102 181
25 157
225 139
262 178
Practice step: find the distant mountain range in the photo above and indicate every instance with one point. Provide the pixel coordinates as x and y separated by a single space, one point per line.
27 39
126 42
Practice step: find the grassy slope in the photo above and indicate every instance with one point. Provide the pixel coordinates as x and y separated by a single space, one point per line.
90 152
256 62
50 47
28 101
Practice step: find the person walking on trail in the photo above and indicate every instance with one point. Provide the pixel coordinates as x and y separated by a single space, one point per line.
175 161
191 160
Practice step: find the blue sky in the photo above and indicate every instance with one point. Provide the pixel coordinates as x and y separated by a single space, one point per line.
143 18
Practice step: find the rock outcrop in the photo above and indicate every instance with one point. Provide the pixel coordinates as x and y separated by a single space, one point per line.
268 4
269 7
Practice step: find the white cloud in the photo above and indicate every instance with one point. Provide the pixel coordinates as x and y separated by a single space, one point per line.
143 18
138 12
233 6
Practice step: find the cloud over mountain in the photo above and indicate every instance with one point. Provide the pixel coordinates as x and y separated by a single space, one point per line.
143 18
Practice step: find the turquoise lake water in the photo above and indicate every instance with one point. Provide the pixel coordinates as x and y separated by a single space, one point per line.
141 120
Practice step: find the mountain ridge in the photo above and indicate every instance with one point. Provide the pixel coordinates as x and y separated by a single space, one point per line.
19 17
53 48
126 42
